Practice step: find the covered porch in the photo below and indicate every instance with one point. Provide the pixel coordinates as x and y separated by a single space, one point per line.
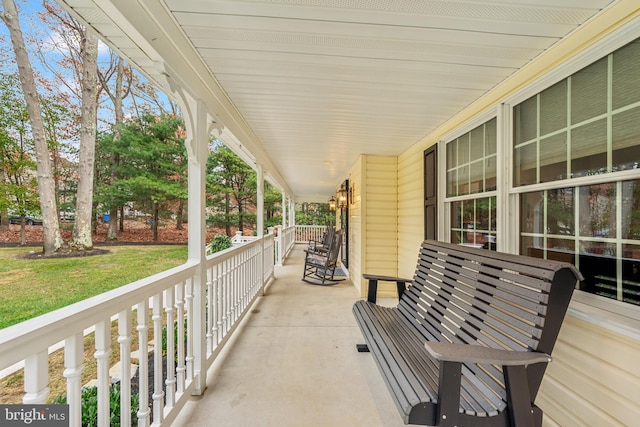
395 103
294 362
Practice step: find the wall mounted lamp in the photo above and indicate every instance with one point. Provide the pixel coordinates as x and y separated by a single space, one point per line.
332 203
342 198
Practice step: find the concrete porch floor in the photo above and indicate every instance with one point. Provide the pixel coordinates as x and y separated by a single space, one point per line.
294 363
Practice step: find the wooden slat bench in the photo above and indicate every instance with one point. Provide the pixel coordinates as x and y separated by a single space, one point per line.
470 338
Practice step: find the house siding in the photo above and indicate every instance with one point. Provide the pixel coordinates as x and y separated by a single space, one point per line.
379 220
593 380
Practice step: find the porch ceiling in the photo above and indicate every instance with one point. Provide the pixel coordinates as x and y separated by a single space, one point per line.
306 86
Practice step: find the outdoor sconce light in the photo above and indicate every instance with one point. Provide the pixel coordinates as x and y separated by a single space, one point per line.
342 198
332 203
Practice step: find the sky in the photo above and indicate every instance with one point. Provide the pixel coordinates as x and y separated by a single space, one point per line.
33 28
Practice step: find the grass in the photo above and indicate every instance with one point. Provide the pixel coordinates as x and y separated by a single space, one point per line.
29 288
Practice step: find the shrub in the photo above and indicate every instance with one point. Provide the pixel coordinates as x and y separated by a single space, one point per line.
90 406
220 243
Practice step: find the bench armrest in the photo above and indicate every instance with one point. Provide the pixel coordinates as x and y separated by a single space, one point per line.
463 353
373 285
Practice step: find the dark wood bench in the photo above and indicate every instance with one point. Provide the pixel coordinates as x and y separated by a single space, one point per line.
470 338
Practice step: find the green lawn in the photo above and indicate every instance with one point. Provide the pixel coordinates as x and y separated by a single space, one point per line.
29 288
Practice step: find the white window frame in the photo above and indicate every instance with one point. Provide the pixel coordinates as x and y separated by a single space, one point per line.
444 203
613 315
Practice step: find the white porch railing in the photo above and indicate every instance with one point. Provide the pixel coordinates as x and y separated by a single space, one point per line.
304 233
285 239
234 279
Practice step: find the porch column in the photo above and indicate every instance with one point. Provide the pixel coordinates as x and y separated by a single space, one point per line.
198 147
285 210
260 200
292 212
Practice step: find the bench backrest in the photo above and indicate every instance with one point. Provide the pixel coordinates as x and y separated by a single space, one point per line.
475 296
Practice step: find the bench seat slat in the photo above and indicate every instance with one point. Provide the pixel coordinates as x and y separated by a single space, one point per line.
511 285
411 351
535 267
480 314
451 300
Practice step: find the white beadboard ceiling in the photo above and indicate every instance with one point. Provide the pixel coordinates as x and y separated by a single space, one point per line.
306 86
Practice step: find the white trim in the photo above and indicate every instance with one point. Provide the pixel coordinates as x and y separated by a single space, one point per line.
624 35
627 175
444 233
478 120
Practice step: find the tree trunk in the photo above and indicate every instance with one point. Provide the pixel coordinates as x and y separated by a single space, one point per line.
4 212
23 231
227 211
121 218
180 215
46 187
81 239
156 215
112 232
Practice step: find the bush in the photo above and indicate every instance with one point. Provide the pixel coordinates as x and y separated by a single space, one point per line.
90 406
220 243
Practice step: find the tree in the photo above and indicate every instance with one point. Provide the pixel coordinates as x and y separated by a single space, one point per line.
231 189
314 214
120 72
81 58
84 200
272 206
46 186
154 172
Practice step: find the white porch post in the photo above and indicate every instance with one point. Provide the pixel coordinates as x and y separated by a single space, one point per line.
292 212
198 146
285 210
260 200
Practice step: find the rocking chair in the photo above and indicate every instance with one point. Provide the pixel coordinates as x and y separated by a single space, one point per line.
320 267
322 246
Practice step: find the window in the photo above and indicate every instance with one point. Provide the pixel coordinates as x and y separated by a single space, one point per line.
585 127
596 227
473 222
471 173
586 124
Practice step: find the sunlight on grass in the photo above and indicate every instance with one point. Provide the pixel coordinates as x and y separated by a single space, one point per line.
29 288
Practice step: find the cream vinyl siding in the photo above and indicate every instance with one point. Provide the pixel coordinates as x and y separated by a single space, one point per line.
380 220
410 210
594 379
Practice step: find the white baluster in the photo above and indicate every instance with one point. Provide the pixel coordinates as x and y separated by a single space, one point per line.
158 394
170 383
36 378
102 353
219 303
180 369
144 412
73 359
213 307
189 358
209 308
124 339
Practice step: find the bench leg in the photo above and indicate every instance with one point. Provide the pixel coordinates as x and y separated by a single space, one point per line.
362 348
518 397
449 394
